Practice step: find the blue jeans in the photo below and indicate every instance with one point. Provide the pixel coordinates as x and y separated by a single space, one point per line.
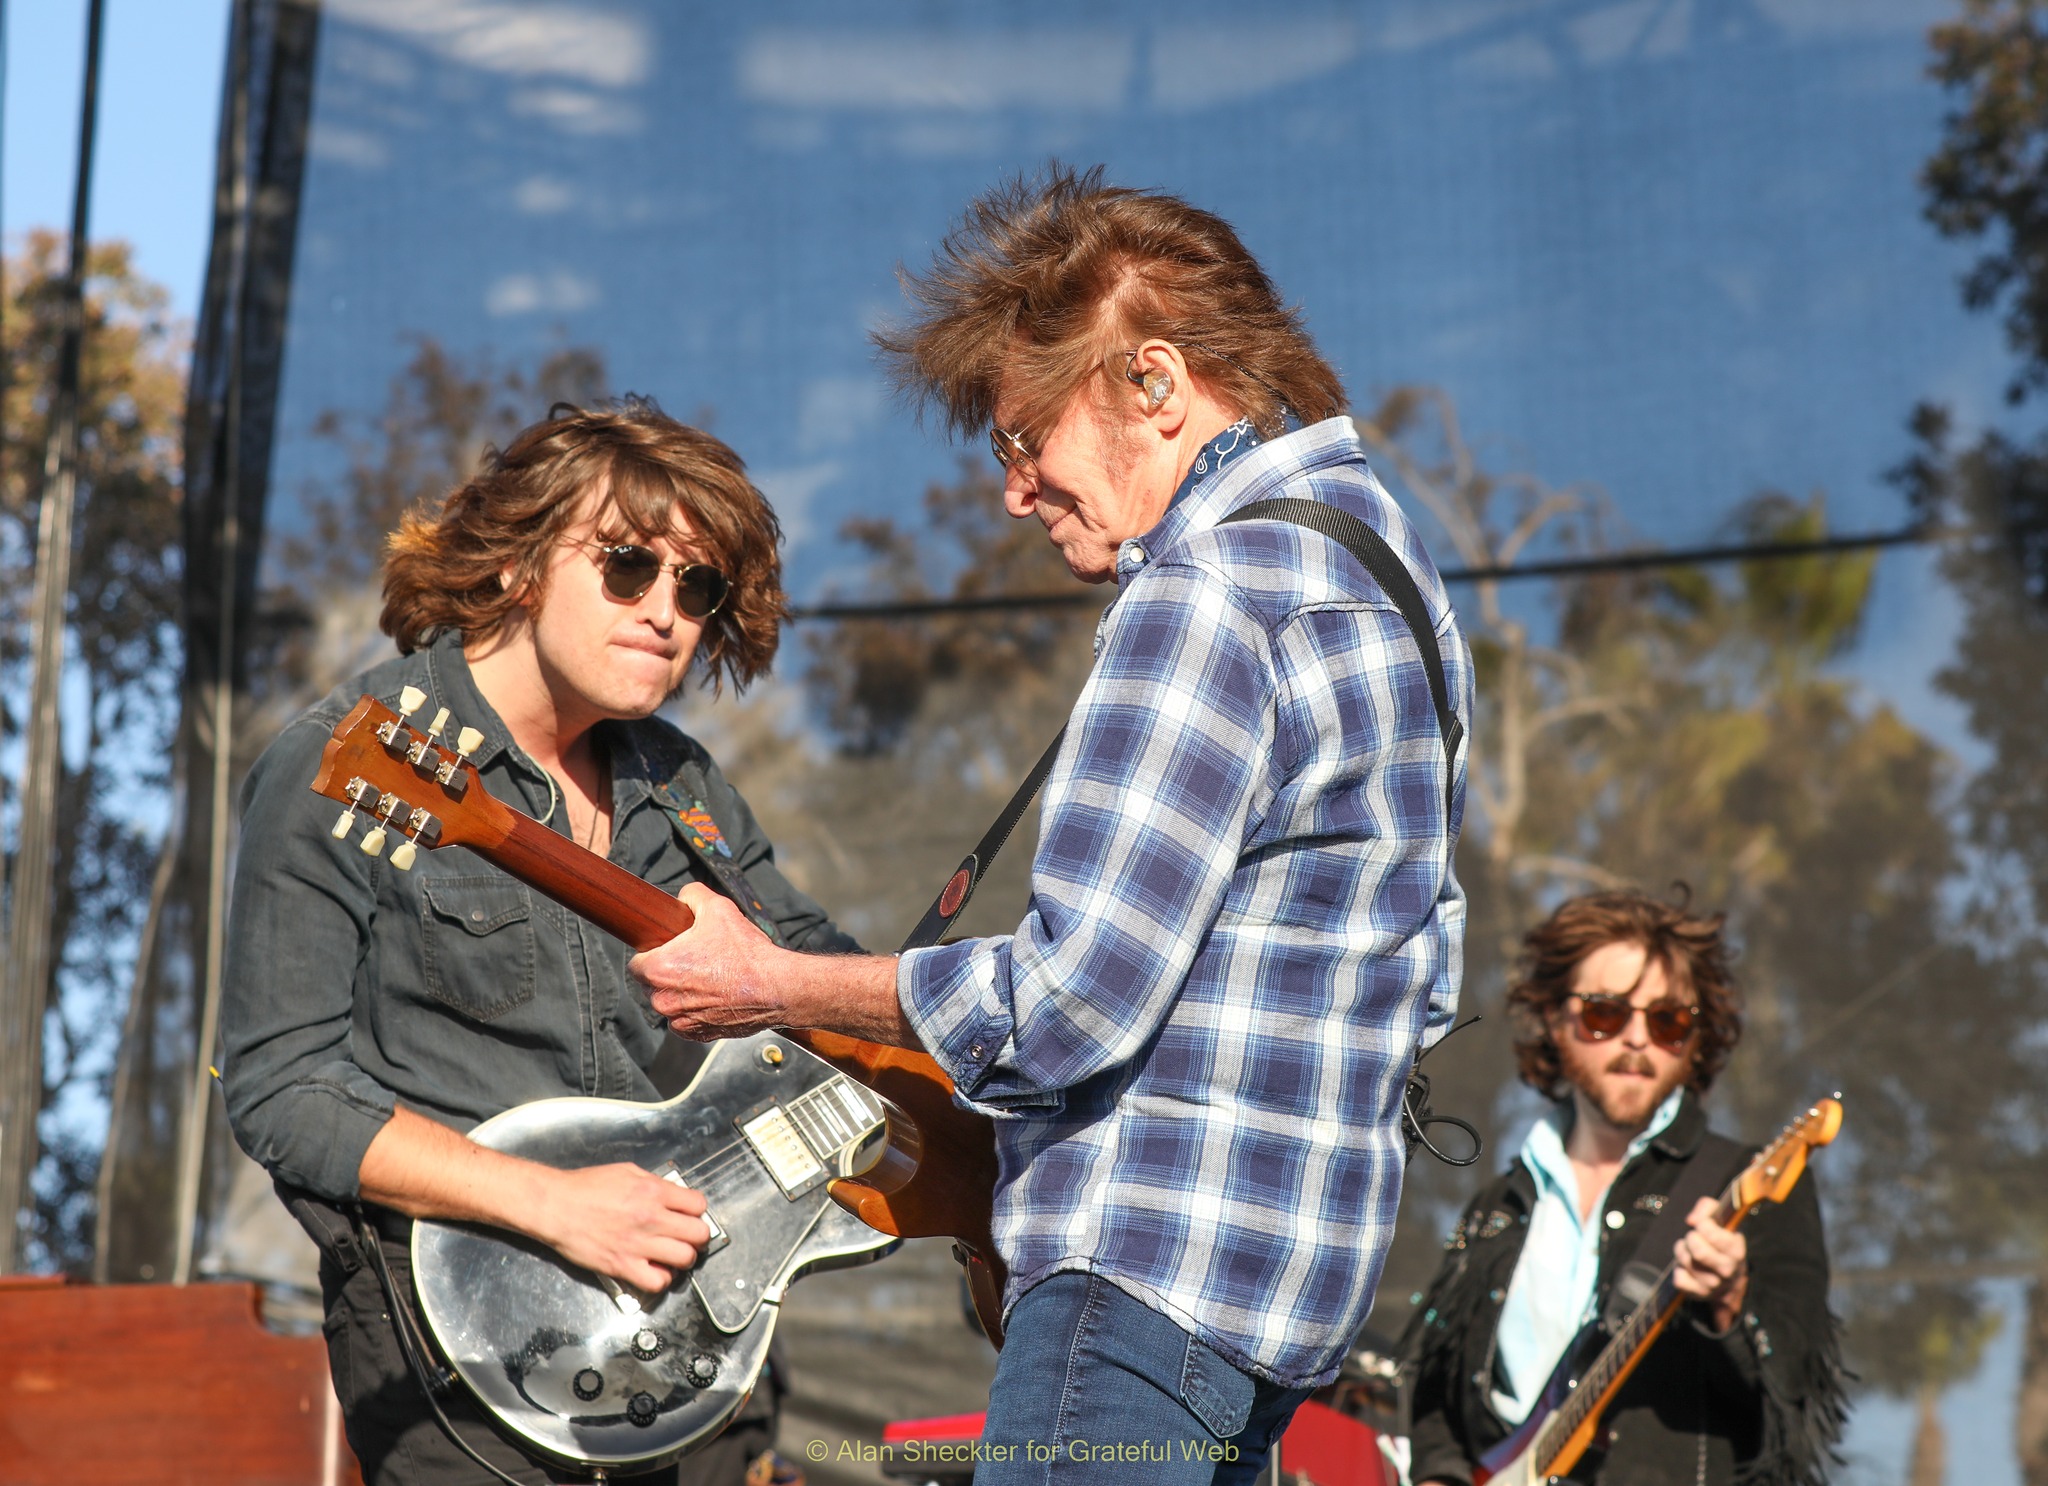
1093 1386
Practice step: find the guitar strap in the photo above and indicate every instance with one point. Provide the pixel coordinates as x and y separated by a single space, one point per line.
952 899
704 841
1376 557
1712 1167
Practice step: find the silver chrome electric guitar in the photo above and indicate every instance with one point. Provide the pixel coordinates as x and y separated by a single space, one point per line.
589 1373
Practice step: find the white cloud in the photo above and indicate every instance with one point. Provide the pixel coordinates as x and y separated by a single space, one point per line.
543 195
517 38
834 409
524 293
350 147
1514 58
576 110
792 490
1195 67
909 70
1635 28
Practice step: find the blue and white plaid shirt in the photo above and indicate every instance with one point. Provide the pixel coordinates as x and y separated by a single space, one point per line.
1243 922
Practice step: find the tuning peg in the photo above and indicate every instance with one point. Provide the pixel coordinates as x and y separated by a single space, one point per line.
467 742
402 855
410 700
373 844
353 792
440 721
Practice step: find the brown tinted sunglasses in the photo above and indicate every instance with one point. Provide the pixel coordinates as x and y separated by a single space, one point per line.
1669 1023
630 570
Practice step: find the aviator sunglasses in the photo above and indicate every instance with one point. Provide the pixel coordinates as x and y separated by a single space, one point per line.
1669 1023
630 570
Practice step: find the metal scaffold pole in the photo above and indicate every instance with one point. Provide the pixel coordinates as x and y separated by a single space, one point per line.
28 949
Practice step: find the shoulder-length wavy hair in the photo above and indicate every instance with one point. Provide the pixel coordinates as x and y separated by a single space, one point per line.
1046 282
1687 945
445 568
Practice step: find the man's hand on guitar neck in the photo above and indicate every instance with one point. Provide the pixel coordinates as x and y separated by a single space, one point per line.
618 1220
722 977
1712 1266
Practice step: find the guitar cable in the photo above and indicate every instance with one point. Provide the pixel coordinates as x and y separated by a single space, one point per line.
1417 1116
434 1379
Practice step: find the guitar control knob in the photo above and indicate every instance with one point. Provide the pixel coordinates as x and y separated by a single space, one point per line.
641 1409
587 1384
703 1369
647 1344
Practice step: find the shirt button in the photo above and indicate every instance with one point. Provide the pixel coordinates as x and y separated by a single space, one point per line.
973 1049
1615 1219
476 915
1495 1295
1134 553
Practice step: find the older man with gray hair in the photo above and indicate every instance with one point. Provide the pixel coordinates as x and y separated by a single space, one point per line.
1244 921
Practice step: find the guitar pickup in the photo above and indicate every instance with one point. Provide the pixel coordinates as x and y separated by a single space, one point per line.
719 1237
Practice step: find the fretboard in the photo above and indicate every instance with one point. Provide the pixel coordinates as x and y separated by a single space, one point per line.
1621 1352
834 1117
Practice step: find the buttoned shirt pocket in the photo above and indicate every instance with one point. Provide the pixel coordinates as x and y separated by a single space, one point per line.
478 937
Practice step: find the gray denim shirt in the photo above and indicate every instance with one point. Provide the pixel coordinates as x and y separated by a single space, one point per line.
351 986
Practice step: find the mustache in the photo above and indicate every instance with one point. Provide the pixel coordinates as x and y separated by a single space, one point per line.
1632 1063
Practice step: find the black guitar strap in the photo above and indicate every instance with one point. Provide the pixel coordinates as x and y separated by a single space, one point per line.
1712 1167
1386 567
952 899
1373 554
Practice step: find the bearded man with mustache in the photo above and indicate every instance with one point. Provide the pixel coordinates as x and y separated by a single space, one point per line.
1626 1012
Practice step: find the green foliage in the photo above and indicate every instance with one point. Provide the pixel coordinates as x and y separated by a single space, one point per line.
1681 726
871 679
440 414
1986 181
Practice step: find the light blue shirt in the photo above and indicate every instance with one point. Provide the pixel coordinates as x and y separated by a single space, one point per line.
1550 1299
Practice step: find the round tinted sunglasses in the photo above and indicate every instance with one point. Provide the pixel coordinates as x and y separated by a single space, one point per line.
1669 1023
630 570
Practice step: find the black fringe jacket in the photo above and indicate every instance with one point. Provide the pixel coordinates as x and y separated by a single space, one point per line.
1761 1406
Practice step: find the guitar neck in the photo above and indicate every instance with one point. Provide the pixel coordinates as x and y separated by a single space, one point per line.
621 904
1607 1372
416 790
645 917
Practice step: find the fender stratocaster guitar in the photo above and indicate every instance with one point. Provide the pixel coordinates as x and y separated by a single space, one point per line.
772 1126
1566 1422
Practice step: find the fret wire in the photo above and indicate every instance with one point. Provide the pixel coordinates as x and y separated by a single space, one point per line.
820 1140
831 1102
828 1117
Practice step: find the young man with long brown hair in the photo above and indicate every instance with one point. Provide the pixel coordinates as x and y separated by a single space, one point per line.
1627 1012
553 603
1243 918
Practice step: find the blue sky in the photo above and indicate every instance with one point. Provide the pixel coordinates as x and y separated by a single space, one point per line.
160 74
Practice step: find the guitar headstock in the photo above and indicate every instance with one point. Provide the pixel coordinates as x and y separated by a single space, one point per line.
407 783
1777 1168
